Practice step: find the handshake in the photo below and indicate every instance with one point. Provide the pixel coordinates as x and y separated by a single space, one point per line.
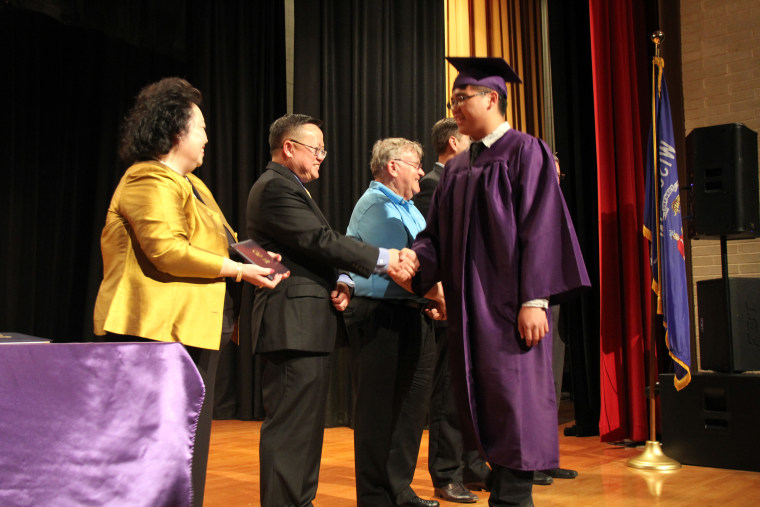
402 267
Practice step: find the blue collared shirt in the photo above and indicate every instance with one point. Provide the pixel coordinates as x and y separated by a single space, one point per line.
384 219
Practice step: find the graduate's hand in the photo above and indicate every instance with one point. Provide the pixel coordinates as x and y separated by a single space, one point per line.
341 296
532 325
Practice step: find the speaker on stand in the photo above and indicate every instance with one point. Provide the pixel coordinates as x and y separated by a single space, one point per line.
722 163
729 329
725 204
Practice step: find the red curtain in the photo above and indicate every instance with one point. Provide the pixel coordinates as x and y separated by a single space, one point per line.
619 91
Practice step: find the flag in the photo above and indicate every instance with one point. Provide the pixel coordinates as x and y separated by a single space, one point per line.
666 251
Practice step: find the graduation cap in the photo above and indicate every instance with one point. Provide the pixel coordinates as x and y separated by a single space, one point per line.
478 71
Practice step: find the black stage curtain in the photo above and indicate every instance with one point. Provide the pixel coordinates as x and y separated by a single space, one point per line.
70 71
575 143
369 70
238 50
65 89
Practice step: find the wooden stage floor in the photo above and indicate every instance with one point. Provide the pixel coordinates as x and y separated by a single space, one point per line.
604 479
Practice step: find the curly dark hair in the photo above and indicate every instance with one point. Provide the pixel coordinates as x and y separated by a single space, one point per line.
160 115
284 127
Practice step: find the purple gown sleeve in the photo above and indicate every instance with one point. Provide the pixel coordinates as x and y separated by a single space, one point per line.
551 264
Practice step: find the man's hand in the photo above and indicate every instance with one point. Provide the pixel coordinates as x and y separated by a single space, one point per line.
402 265
435 311
532 325
341 296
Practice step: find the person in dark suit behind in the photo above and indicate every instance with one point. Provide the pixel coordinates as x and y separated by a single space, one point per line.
296 325
447 142
452 468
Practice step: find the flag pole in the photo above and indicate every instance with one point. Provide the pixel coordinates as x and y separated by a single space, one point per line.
653 458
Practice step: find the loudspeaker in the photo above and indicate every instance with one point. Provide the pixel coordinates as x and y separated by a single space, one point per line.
722 163
712 422
729 331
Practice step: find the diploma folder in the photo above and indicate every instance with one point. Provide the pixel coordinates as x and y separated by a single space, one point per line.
253 253
7 338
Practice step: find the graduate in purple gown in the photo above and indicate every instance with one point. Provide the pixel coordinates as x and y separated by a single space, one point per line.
500 238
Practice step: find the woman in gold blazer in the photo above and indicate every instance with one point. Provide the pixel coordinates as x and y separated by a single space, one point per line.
163 254
167 274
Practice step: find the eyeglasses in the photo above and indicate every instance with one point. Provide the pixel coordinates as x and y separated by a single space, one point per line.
416 165
457 100
318 152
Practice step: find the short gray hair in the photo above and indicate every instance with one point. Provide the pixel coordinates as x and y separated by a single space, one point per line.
387 149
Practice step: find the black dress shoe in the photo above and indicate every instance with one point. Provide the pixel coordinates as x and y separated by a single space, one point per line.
477 486
420 502
456 492
541 479
561 473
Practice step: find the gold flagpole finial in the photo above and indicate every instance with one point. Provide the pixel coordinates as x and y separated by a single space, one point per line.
657 38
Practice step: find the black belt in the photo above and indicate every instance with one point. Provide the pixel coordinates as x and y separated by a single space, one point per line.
410 303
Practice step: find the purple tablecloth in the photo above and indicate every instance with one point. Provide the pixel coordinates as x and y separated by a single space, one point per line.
97 424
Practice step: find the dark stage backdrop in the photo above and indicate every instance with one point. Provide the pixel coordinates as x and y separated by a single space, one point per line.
575 144
64 90
71 69
69 72
369 70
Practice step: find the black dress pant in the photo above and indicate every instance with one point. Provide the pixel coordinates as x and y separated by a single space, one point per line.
448 461
511 487
295 385
392 361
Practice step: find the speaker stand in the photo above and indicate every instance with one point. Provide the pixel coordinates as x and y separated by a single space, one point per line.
727 295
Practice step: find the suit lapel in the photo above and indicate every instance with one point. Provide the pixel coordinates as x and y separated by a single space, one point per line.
300 189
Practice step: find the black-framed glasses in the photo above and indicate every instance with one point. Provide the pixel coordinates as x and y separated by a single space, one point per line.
318 152
416 165
458 100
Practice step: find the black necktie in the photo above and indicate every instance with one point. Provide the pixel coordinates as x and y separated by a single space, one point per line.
475 149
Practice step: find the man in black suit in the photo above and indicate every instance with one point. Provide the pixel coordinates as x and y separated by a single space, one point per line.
296 325
450 465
